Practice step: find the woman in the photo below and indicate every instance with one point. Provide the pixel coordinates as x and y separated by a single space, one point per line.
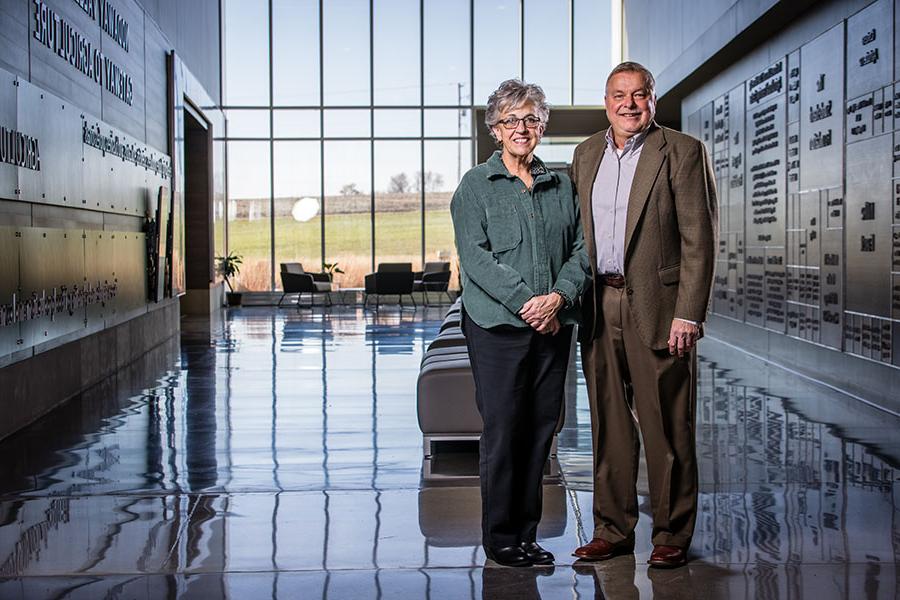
523 264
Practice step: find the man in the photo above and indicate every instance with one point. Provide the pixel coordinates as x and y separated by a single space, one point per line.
649 203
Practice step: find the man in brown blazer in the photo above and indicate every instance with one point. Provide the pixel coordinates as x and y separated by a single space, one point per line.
648 202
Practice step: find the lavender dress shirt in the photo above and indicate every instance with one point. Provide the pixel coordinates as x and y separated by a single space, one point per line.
609 199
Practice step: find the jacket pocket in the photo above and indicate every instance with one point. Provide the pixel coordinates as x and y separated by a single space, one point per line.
503 229
670 275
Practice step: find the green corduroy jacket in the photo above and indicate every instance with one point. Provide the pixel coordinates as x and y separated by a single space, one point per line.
515 243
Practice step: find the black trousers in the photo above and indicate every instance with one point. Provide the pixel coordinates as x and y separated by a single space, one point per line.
519 386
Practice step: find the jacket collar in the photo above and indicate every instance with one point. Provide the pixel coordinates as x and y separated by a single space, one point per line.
496 169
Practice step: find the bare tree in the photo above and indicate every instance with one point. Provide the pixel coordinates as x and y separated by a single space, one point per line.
433 181
399 184
350 189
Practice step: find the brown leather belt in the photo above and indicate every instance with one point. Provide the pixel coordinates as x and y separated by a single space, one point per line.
613 280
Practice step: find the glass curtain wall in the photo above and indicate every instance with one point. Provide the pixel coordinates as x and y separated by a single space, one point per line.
350 121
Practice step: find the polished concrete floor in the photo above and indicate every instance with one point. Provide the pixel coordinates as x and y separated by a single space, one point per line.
280 457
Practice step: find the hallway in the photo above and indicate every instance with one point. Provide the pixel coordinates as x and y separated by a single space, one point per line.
281 458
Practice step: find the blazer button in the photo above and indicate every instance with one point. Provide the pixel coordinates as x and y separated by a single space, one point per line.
629 291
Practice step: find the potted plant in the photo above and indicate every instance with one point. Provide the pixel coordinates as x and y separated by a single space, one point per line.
331 269
228 266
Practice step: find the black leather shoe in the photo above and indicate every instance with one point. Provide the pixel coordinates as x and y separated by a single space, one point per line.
536 554
508 556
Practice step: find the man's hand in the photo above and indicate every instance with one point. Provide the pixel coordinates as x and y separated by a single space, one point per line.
683 337
539 311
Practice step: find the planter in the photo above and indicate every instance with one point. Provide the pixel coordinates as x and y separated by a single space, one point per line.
233 298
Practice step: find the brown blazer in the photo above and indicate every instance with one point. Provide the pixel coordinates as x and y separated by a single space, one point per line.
670 232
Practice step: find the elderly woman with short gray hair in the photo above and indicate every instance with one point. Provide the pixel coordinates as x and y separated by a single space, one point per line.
523 266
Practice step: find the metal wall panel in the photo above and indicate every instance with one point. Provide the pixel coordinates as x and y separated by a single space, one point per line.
755 286
54 73
99 267
55 259
9 178
870 46
810 159
720 168
766 203
736 191
14 17
722 293
10 333
128 118
792 168
706 126
113 183
832 268
693 125
766 153
868 226
821 99
793 85
129 271
55 124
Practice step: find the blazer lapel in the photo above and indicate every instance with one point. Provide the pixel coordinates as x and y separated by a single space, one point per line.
645 175
588 176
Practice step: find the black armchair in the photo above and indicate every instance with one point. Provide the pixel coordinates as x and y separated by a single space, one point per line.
390 278
434 278
294 280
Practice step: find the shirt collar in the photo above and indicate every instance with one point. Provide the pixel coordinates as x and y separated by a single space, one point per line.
631 146
496 168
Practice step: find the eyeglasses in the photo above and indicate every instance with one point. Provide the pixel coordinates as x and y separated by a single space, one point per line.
531 122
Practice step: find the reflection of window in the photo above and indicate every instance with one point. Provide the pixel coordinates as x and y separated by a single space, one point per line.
396 47
295 52
246 53
346 54
446 39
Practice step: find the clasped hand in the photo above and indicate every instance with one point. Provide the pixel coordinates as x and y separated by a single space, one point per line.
540 312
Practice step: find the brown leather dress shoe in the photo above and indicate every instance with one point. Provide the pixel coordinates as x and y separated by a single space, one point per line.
667 557
600 549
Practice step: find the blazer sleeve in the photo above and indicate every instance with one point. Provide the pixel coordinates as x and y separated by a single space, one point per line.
501 282
696 206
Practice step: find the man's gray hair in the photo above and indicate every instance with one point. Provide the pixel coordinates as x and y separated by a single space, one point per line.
633 67
511 94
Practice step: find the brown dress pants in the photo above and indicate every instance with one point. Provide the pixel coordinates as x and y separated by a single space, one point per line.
624 375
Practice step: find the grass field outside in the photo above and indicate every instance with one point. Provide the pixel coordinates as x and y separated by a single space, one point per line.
347 242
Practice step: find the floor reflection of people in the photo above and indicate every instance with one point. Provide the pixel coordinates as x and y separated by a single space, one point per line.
612 579
679 583
498 583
